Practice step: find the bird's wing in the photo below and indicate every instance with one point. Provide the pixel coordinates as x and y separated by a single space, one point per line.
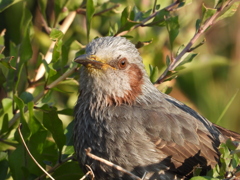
178 133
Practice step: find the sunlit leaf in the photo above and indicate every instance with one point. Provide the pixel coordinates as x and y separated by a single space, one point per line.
207 13
173 28
56 34
230 11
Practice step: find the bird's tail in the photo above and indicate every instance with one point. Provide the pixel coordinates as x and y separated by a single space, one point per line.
228 133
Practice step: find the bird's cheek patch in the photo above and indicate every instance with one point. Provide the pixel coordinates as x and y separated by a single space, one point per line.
135 79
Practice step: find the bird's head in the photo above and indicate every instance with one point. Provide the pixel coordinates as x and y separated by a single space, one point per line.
112 71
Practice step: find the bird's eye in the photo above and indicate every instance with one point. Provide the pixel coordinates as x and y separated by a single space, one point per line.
122 63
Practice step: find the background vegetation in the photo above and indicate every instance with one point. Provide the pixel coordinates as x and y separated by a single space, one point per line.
38 78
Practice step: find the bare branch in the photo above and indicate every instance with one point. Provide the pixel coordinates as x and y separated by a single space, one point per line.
168 8
55 167
25 145
48 57
88 152
108 9
90 172
177 60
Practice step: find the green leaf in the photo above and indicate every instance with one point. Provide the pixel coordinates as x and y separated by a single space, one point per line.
7 3
173 29
16 161
50 71
69 134
127 20
90 9
168 61
4 127
6 62
26 97
188 59
56 34
207 13
70 170
52 122
230 11
153 73
4 166
160 19
25 129
57 51
58 10
26 46
170 75
180 49
68 111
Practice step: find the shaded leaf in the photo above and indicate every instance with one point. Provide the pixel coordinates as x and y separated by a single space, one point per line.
69 134
52 122
25 47
16 161
6 62
7 3
4 127
26 97
71 169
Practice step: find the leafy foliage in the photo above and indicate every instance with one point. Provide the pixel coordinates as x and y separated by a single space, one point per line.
38 78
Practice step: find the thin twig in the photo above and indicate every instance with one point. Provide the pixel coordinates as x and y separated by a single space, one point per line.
168 8
83 11
25 145
177 60
106 10
88 152
55 167
89 172
86 175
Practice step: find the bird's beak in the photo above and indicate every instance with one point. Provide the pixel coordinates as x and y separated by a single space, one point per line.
89 61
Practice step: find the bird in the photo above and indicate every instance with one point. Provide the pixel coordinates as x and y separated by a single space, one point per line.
126 120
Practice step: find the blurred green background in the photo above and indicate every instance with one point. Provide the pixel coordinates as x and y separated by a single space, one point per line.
207 84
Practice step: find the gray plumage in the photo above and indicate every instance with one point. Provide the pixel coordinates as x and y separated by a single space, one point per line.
124 119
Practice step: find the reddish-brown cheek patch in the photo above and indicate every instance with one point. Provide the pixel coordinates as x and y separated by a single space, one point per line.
136 80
